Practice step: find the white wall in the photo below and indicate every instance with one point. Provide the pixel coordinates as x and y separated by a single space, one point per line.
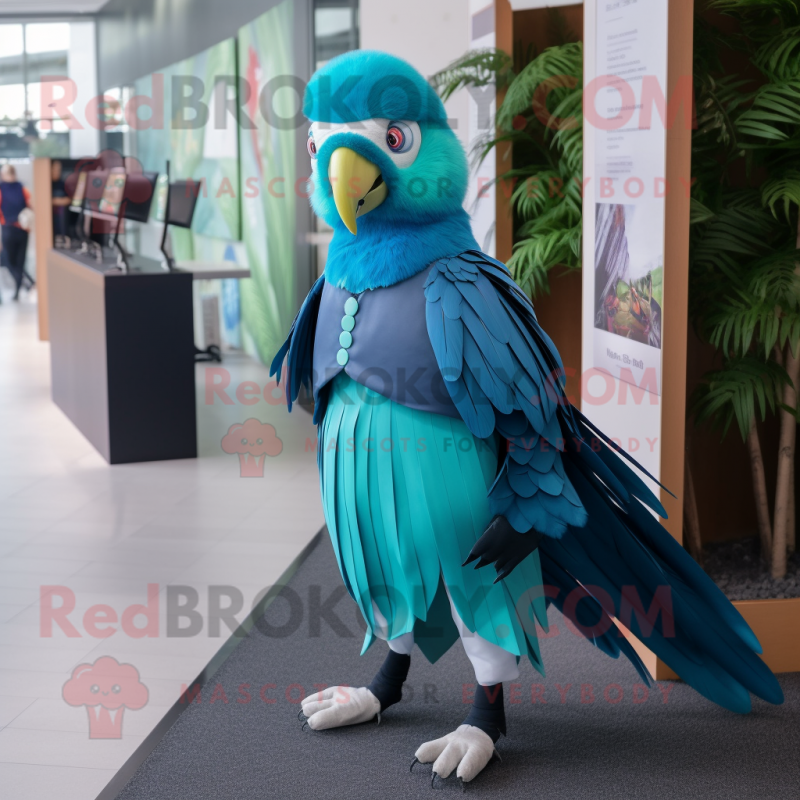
480 200
82 68
429 34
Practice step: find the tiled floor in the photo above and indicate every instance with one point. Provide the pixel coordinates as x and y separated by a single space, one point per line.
103 534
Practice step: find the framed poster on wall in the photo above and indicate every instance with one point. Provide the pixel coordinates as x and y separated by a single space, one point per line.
625 145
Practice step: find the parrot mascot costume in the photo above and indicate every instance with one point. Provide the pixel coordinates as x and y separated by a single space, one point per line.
447 444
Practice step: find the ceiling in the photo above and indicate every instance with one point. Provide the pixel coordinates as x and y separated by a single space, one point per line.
34 7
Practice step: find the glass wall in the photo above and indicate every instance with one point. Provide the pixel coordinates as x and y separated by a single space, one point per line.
335 28
30 52
336 31
118 133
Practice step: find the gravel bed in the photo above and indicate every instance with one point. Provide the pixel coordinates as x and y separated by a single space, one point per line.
737 569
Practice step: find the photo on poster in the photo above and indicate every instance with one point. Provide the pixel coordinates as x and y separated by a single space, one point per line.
629 273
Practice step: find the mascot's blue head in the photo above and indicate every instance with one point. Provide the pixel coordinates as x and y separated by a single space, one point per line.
389 174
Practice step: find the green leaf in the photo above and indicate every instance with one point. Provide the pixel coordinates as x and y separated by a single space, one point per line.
777 103
735 392
558 69
481 67
783 191
779 58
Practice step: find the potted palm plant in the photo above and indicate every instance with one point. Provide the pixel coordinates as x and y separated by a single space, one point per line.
744 259
744 235
541 117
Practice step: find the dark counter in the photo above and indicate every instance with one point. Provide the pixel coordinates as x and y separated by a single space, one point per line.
122 356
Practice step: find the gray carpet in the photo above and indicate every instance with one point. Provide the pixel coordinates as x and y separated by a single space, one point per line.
684 748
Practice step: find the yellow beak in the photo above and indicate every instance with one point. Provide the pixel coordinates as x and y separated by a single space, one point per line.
358 186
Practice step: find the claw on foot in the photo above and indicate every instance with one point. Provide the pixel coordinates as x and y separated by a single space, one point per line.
467 750
414 763
337 706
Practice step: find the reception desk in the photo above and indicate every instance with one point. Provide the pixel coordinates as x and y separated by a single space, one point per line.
122 356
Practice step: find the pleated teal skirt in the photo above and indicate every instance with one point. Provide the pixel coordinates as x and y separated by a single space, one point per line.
405 499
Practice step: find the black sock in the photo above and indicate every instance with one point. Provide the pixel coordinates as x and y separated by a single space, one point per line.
488 712
387 685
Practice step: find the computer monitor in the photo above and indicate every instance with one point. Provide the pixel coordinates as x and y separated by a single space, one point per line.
95 187
138 197
113 193
76 204
181 203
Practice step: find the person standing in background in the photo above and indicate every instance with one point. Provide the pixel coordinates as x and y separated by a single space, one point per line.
60 199
14 197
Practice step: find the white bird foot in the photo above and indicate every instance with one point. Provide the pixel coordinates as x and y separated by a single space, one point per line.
337 706
467 750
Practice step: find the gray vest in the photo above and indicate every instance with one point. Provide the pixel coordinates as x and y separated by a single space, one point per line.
390 351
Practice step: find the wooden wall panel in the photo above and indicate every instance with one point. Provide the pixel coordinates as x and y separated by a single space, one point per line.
680 44
558 311
504 223
43 236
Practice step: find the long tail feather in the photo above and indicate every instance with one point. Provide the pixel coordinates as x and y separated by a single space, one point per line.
631 568
588 616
